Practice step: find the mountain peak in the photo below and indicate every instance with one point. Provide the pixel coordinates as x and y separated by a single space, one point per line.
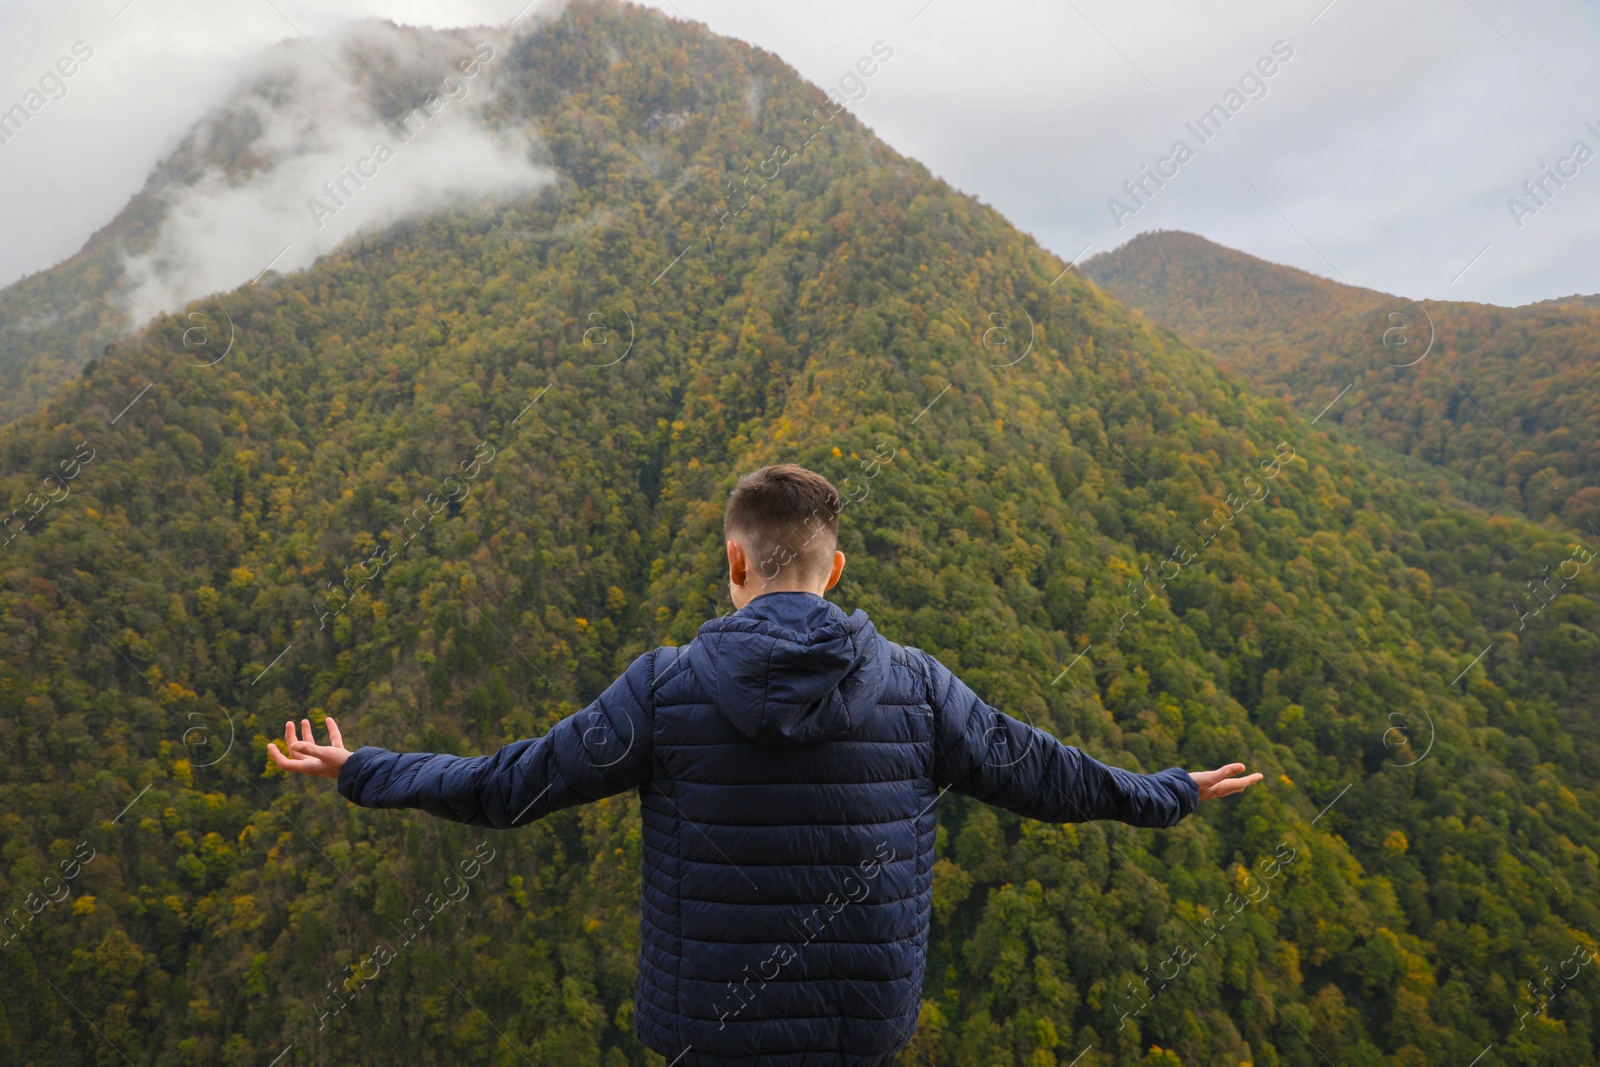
1185 267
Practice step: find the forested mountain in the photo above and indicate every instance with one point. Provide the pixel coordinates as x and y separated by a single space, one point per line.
52 323
449 481
291 121
1590 301
1507 399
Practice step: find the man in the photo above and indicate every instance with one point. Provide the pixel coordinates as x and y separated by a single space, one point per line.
789 761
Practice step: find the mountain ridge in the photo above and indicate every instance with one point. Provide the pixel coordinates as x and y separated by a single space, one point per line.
1493 395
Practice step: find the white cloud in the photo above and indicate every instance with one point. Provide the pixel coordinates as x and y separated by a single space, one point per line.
331 166
159 66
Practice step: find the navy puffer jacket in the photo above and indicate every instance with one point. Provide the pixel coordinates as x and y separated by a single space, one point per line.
789 762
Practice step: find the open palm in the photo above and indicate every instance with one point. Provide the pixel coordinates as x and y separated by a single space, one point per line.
302 755
1221 782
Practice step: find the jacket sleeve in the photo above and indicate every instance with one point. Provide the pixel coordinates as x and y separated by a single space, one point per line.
598 752
988 755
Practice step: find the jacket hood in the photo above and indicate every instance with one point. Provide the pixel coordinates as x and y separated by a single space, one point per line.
791 668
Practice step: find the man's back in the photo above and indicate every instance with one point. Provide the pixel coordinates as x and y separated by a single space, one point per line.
789 762
788 833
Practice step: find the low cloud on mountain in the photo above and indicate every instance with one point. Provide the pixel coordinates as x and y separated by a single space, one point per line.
321 142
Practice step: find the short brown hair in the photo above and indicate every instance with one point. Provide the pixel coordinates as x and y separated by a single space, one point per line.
787 518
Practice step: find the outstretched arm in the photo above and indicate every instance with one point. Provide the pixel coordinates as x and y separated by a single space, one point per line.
993 757
598 752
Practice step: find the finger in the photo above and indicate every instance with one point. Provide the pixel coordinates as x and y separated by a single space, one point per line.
288 734
335 738
1229 771
297 765
1238 785
305 731
311 748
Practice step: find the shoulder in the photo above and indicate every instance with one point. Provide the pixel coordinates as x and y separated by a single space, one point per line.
916 669
662 666
639 682
903 657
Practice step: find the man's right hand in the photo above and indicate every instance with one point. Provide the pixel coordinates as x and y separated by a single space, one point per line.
1221 782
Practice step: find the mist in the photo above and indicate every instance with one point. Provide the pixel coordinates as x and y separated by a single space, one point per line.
323 164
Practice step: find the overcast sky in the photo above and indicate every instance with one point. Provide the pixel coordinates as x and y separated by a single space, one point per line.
1382 151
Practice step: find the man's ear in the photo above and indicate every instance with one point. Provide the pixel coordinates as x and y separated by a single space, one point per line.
836 572
736 563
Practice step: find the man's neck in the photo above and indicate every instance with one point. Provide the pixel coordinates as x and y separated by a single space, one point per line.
773 592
